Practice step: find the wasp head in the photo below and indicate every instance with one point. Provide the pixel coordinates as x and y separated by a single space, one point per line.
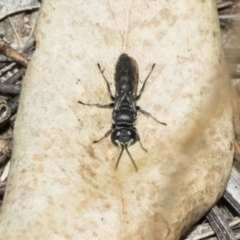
124 137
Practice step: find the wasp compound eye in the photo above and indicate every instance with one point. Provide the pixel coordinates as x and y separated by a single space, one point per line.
124 136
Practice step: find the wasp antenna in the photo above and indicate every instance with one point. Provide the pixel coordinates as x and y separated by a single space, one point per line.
131 158
120 155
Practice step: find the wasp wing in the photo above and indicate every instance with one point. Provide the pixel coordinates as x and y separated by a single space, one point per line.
126 76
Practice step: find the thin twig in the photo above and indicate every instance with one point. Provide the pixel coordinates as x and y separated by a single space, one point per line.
10 88
220 225
13 104
15 77
18 38
12 53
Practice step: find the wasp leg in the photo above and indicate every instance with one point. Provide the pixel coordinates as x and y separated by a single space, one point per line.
108 85
106 135
101 105
140 142
144 83
148 115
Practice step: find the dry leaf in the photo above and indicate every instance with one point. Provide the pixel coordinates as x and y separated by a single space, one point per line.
66 186
9 7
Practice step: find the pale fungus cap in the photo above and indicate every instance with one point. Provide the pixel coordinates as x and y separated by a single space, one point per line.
61 185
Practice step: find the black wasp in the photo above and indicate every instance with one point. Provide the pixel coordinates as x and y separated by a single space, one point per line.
124 115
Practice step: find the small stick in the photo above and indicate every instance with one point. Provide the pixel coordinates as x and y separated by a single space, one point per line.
220 225
15 77
12 53
14 29
13 104
10 88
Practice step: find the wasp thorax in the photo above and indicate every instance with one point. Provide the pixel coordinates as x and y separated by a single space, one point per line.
124 136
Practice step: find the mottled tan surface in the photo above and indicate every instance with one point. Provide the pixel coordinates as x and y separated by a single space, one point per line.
61 186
